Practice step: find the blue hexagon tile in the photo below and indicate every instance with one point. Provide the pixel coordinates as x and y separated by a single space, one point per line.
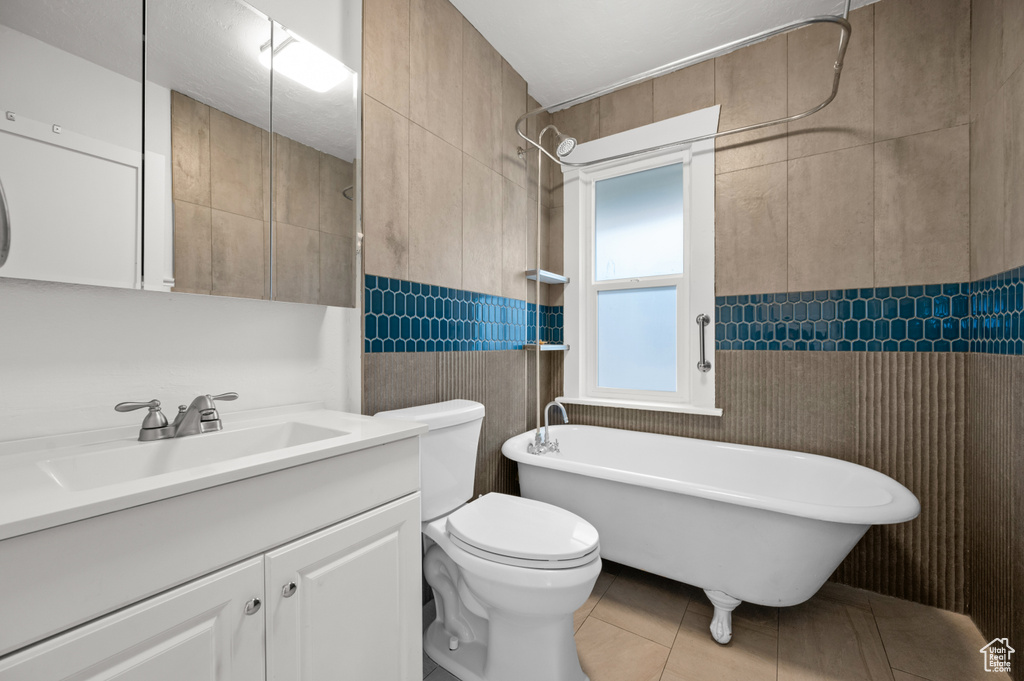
997 305
934 318
404 316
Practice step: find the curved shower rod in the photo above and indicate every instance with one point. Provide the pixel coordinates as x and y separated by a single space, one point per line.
844 42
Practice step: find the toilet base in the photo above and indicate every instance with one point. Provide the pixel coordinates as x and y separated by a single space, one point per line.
467 662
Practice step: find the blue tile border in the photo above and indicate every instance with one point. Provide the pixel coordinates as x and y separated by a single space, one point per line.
405 316
981 316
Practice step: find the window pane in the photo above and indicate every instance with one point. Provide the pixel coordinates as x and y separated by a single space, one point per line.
639 224
636 339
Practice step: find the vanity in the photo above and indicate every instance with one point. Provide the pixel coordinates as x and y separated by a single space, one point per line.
286 546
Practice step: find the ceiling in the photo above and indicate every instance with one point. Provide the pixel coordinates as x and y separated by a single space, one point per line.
568 48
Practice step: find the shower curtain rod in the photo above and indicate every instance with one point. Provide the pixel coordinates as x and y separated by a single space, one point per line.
844 41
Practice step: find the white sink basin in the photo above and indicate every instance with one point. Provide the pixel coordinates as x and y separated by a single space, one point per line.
118 462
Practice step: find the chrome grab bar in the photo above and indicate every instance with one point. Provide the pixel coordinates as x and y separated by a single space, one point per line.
5 227
703 365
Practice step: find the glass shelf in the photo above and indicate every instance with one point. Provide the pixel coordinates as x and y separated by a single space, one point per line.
546 347
546 277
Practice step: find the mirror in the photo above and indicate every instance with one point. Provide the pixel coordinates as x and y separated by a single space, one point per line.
251 133
71 140
253 193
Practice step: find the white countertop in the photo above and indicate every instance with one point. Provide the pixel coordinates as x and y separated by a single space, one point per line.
33 500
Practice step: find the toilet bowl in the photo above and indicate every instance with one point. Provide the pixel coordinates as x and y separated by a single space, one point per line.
507 573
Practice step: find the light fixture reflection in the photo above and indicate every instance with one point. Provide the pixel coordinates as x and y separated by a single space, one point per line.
305 64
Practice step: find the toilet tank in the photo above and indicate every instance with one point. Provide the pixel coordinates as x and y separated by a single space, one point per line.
447 452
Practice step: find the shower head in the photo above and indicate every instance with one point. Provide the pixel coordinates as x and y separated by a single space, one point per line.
565 144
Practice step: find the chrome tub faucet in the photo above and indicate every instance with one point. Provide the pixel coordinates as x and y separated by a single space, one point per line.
545 445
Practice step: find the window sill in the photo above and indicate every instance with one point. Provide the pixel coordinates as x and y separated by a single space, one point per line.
645 406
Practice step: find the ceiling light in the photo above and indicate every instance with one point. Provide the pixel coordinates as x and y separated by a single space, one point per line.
305 63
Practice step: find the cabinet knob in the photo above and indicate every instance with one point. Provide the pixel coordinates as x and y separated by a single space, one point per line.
253 606
289 589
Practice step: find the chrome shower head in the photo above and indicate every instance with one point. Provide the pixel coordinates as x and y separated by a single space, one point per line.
565 145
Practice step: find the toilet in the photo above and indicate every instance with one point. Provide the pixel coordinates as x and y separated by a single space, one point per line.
507 573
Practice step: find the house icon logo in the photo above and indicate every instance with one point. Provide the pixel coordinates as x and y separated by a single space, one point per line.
997 655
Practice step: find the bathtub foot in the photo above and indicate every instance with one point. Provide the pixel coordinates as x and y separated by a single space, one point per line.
721 623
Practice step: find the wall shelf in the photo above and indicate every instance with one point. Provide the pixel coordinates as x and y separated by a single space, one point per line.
546 347
546 277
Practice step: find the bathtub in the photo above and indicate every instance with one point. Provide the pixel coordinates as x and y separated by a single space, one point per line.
743 523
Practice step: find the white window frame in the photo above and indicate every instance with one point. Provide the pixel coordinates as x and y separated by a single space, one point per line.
695 288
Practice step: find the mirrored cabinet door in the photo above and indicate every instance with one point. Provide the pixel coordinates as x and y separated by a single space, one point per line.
316 131
71 140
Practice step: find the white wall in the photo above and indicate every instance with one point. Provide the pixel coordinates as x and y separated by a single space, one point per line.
69 353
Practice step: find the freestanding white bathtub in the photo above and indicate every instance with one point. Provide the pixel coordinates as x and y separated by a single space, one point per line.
743 523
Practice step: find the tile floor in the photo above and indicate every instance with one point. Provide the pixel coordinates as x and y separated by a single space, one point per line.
640 627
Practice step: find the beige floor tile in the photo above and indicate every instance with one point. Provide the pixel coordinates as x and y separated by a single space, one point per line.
845 594
644 604
751 656
604 580
935 644
824 640
608 653
897 675
746 616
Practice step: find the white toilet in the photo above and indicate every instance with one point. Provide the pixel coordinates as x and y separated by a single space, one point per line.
507 573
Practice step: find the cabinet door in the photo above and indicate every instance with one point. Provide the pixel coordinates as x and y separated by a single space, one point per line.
354 613
197 632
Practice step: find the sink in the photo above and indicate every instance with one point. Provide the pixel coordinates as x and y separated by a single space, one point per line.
122 461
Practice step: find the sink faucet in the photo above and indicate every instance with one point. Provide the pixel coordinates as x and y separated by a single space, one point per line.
199 417
545 445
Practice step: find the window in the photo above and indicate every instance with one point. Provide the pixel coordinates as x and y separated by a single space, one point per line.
639 253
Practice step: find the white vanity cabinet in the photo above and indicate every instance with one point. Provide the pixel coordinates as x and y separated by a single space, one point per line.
197 631
343 603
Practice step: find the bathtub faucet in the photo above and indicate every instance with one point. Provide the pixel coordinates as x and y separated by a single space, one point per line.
545 445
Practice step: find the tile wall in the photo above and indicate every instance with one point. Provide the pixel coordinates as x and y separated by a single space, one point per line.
220 184
995 439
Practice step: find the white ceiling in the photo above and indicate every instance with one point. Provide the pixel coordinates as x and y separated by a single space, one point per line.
568 48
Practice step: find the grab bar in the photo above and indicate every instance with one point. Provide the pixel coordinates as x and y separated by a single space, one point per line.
5 227
703 365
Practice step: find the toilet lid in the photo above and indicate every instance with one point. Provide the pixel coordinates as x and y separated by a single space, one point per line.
524 531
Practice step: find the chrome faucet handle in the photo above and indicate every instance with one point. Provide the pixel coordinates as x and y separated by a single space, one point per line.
154 419
224 397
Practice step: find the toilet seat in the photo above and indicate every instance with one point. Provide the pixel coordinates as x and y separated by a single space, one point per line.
523 533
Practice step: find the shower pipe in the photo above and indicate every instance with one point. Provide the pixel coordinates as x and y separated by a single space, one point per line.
844 41
5 227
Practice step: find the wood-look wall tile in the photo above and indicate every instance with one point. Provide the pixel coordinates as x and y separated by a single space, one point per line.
396 380
237 255
988 164
296 183
823 639
190 150
556 254
386 39
582 121
849 120
922 66
626 109
481 98
236 166
750 84
193 248
296 263
986 52
532 231
534 125
337 214
685 90
1013 176
435 210
265 170
514 208
922 208
1013 46
513 105
505 402
992 435
751 231
482 227
831 221
385 191
337 270
435 90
